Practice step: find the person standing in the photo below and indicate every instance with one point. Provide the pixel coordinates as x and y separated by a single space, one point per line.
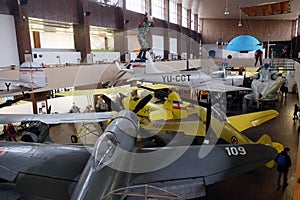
296 109
284 52
258 56
283 161
11 133
143 30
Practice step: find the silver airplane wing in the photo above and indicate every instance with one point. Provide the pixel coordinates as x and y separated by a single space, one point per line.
57 118
219 86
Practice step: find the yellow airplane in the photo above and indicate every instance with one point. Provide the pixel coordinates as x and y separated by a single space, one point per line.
172 114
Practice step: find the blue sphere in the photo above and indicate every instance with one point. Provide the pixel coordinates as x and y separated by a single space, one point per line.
244 43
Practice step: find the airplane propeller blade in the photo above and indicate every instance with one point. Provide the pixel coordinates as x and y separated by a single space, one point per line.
111 104
142 103
158 93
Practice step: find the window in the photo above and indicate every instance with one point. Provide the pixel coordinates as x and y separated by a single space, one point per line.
173 11
184 17
108 2
136 5
192 21
157 8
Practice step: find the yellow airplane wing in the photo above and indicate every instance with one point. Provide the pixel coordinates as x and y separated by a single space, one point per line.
115 90
245 121
161 114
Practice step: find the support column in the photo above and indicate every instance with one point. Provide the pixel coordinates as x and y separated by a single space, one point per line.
179 14
166 30
196 22
22 30
82 30
179 22
166 10
121 38
189 13
148 7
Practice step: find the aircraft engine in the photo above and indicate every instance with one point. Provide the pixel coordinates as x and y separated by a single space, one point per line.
35 132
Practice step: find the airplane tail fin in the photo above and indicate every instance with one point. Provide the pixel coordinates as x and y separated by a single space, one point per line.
266 139
125 67
150 66
32 75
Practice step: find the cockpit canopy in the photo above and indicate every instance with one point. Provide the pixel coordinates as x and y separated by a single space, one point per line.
104 149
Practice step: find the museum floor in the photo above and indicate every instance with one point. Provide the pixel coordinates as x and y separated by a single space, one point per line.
260 184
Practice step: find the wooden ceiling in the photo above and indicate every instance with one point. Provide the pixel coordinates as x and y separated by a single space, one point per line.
283 7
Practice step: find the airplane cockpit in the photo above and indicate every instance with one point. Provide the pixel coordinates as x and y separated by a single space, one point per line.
104 149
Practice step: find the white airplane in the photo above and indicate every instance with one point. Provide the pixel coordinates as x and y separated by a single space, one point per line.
228 77
145 71
31 76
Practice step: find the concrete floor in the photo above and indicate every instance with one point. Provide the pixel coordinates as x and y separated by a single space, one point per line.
260 184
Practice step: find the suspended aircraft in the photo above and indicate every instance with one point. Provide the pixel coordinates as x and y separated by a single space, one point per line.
116 169
31 76
145 71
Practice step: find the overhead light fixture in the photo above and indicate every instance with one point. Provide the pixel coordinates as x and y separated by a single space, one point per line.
240 21
226 9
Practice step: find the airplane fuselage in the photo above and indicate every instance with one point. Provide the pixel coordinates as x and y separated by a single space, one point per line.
186 79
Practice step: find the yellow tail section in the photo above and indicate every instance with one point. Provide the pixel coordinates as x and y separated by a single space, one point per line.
245 121
266 139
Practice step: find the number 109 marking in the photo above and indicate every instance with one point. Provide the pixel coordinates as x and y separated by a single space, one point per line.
234 151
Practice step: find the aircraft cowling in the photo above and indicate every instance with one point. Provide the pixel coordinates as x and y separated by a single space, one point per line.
29 137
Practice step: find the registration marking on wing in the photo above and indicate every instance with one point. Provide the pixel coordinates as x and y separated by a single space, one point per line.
235 151
2 150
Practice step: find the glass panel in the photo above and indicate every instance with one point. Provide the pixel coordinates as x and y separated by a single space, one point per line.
104 149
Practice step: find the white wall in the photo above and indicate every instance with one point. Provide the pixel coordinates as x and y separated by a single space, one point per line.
8 49
55 56
57 40
158 45
97 42
133 43
22 107
173 45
